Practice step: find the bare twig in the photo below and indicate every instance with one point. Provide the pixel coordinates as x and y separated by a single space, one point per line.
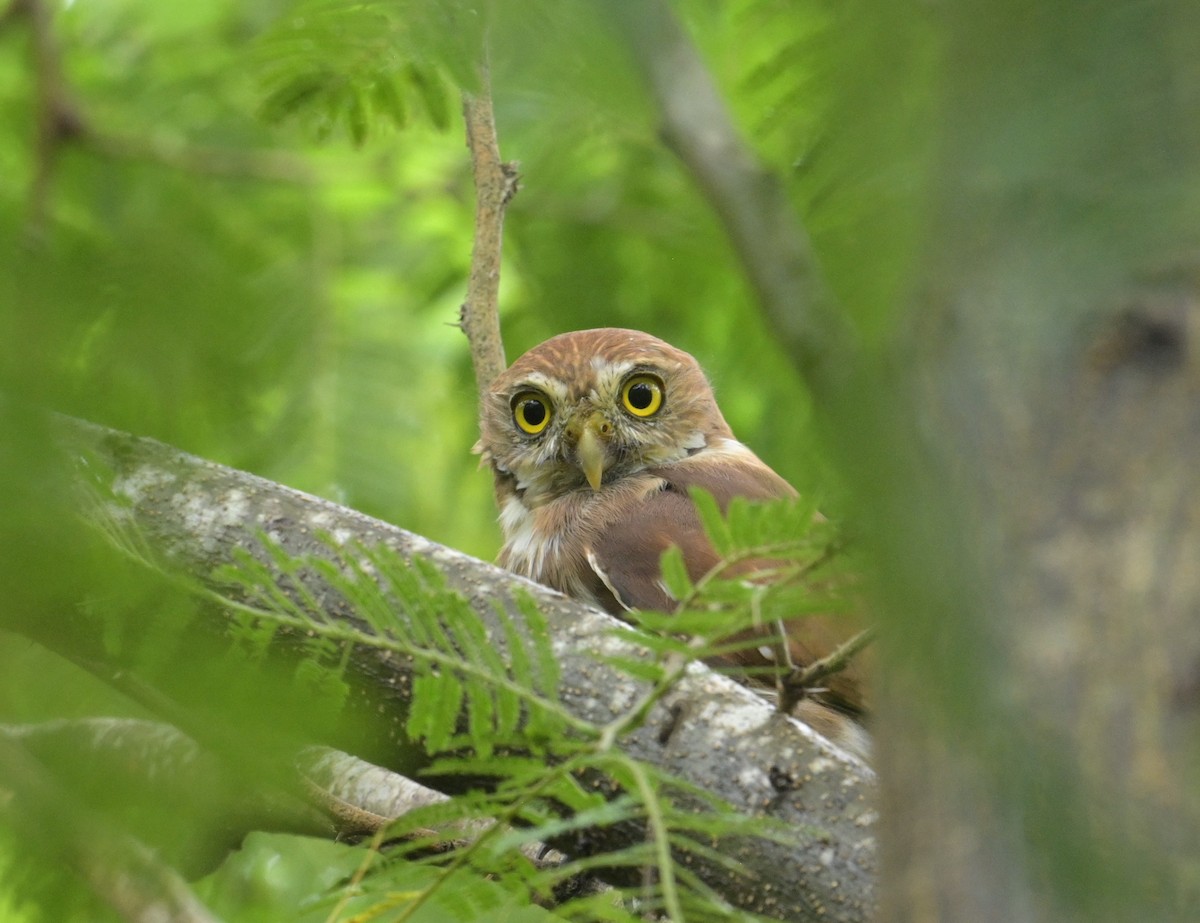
495 185
750 200
58 120
204 160
799 682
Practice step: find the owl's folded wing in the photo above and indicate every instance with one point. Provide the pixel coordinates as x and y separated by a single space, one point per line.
626 562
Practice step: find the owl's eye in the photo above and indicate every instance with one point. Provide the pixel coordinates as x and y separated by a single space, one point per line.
531 412
642 395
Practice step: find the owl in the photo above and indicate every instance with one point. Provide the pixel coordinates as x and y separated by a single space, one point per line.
594 439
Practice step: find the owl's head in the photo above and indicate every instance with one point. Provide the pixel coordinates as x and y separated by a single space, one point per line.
584 409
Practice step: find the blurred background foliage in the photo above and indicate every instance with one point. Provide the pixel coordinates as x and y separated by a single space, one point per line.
257 249
250 238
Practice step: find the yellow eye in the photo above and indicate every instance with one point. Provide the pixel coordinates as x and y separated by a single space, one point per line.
531 412
642 395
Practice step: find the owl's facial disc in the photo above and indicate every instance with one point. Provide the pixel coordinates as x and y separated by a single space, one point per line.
591 436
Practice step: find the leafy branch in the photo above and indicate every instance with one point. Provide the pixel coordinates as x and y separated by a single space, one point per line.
801 681
61 121
406 608
437 633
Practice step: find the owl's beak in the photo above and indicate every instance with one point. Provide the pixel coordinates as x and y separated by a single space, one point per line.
591 449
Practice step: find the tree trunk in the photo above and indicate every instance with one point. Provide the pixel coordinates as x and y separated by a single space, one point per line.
1037 750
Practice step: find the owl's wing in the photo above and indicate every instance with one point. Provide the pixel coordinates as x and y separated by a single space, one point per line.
626 557
625 560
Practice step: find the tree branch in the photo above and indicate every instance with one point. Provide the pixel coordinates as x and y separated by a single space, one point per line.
709 731
58 120
751 201
800 682
160 766
119 869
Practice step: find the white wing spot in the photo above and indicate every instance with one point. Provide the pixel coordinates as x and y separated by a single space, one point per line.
594 564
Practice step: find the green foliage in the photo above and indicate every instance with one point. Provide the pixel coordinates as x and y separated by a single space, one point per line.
256 249
255 244
487 708
507 687
329 65
278 877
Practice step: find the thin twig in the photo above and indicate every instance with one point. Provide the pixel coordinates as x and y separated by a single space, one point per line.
799 682
204 160
58 120
495 185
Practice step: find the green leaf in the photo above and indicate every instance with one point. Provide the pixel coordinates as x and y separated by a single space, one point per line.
432 91
714 523
674 573
356 117
388 100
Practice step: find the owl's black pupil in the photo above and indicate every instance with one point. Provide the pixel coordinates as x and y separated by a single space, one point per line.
641 395
534 412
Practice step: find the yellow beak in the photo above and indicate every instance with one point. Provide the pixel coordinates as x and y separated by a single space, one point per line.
592 448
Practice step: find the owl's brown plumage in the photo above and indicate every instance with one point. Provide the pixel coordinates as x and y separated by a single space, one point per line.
594 438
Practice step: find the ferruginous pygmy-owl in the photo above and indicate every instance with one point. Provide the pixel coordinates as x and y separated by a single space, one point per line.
594 438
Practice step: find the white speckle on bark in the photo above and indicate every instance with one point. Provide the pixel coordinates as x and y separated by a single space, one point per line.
753 779
205 520
138 482
725 717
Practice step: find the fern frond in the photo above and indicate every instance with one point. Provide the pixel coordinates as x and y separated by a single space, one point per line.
358 67
500 684
794 553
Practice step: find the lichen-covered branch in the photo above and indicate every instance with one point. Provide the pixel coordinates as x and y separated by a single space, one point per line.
365 798
709 731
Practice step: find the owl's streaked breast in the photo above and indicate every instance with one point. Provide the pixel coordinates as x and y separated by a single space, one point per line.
550 543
